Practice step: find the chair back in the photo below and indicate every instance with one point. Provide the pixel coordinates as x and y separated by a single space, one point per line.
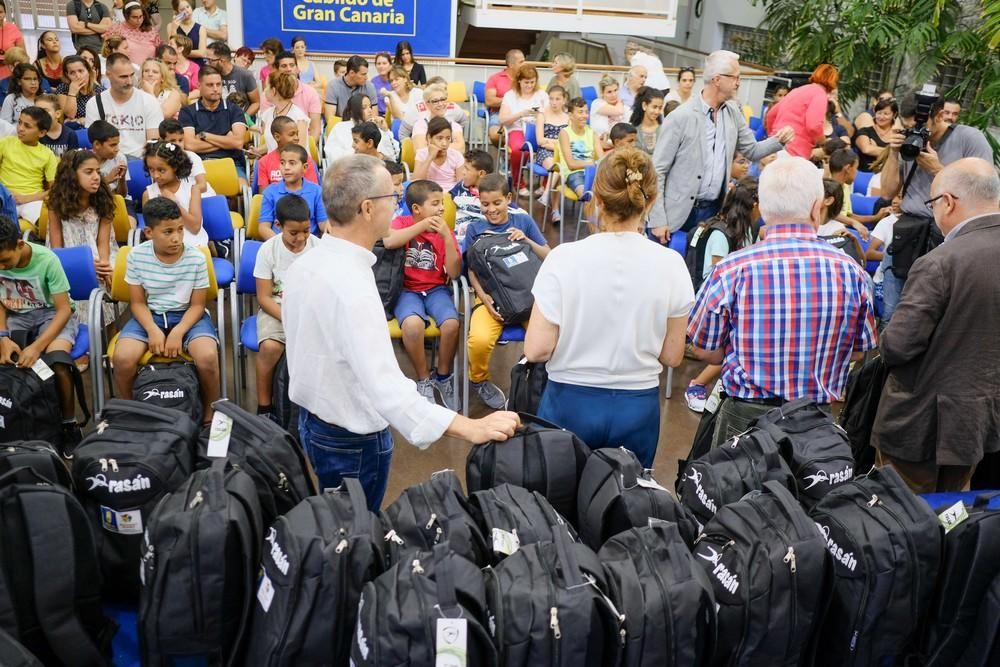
120 289
83 139
589 93
215 218
314 149
42 225
396 124
245 282
138 180
530 138
221 175
861 182
120 224
479 91
450 211
78 265
253 216
457 92
863 205
408 153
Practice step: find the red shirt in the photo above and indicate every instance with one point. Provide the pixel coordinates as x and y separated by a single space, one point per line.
424 268
269 171
501 81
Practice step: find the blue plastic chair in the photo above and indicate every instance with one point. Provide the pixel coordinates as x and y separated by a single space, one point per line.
480 111
589 93
565 193
531 147
78 265
757 125
138 181
83 139
245 285
218 225
678 242
871 265
863 205
396 124
861 182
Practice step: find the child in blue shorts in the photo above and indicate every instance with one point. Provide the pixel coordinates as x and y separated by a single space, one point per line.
432 260
168 287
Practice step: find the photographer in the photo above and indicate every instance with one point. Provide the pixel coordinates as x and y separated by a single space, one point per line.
935 143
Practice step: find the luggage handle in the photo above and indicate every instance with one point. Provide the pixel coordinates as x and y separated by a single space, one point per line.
444 579
783 494
528 418
359 504
567 558
23 475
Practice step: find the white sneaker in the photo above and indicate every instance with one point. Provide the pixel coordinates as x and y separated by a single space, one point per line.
426 389
490 394
524 192
446 389
556 216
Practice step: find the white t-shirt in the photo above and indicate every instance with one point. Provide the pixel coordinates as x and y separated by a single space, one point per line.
340 143
183 195
142 112
603 123
198 169
883 232
517 104
266 117
274 259
611 295
830 228
655 76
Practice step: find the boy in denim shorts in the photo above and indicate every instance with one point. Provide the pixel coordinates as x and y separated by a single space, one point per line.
432 260
168 287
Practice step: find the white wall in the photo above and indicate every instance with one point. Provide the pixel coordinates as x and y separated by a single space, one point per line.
706 31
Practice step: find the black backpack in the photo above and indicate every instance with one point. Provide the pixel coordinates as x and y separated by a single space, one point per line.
286 412
506 271
848 244
29 406
388 269
138 454
50 581
549 606
200 557
412 613
701 443
616 493
39 456
664 594
170 386
13 654
813 445
273 459
727 473
912 238
540 457
886 546
695 255
316 559
964 624
513 516
771 574
429 514
864 391
527 383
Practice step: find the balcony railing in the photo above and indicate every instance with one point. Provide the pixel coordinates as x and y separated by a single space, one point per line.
649 8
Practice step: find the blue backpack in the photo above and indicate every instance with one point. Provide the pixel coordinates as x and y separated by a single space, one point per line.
7 204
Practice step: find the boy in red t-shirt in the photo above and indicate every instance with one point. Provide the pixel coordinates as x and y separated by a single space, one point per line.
432 260
285 131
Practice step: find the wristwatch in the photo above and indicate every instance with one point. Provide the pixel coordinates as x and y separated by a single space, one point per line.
201 135
4 333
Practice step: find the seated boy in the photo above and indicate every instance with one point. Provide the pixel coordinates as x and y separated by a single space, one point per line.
365 137
34 298
59 139
486 324
623 134
844 169
432 260
168 287
293 165
274 258
171 130
105 137
465 194
268 169
28 168
395 170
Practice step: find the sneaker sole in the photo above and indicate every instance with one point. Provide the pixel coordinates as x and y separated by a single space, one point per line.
440 397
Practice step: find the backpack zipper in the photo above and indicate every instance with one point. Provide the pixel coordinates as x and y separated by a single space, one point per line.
789 558
667 604
911 545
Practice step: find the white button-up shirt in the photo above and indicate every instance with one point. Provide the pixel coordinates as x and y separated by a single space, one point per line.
714 155
340 358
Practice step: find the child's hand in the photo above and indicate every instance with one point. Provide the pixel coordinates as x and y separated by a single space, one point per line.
172 346
8 349
515 234
104 271
29 356
157 343
379 122
862 230
488 302
437 225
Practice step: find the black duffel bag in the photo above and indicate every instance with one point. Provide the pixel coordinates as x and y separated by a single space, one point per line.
527 383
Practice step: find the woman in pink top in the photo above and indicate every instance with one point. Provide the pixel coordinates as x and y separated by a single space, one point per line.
10 35
138 29
804 110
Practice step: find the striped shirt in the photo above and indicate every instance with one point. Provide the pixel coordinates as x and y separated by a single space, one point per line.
168 286
788 312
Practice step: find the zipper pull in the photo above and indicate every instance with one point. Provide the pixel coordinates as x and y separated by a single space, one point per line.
416 567
198 498
104 465
283 482
790 558
621 636
554 623
431 522
873 501
341 546
103 425
438 535
114 464
391 536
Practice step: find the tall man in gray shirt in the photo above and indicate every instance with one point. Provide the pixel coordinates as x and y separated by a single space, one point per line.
341 88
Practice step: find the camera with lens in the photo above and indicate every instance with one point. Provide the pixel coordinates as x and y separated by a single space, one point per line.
916 137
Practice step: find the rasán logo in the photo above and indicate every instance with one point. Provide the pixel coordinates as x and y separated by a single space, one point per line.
728 580
845 558
137 483
163 395
695 476
831 478
277 555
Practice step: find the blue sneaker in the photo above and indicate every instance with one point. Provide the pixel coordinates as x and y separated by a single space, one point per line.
696 396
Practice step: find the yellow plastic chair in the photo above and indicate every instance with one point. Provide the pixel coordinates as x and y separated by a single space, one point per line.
407 153
450 210
120 224
314 150
457 92
221 175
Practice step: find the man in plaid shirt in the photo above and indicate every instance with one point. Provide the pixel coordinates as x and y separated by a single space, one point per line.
784 317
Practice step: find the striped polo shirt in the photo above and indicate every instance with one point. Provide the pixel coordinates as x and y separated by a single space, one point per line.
168 286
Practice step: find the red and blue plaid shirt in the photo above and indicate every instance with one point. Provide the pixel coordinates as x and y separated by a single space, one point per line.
789 312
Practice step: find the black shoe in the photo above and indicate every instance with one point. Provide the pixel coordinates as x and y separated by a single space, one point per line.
71 437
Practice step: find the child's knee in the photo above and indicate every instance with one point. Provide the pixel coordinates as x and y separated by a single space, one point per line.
449 328
128 353
204 352
413 326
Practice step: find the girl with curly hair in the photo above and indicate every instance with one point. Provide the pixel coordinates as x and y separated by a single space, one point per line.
169 167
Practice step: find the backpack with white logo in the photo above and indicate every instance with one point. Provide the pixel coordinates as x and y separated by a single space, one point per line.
513 516
50 581
139 453
730 471
29 406
886 546
200 558
549 606
616 493
540 457
273 459
771 574
506 271
170 386
428 514
429 609
815 447
39 456
315 560
665 595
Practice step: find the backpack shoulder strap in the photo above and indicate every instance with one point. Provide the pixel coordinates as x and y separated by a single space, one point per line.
60 357
100 107
46 516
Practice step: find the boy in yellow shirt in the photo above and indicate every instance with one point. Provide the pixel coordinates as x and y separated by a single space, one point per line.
27 167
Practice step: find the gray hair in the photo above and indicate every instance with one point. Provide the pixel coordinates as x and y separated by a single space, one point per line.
788 189
975 181
718 62
348 182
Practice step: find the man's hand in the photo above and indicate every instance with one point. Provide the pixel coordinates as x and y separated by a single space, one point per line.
661 233
172 345
515 234
8 350
157 342
928 160
29 356
895 140
498 426
785 135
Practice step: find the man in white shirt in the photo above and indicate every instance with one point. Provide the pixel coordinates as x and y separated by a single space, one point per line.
343 372
135 113
213 19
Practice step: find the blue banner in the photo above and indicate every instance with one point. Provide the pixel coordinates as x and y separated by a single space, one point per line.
354 26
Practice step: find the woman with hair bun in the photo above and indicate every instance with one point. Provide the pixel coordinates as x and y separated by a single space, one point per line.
609 312
804 110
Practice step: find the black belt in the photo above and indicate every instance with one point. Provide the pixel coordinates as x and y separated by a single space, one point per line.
705 203
775 402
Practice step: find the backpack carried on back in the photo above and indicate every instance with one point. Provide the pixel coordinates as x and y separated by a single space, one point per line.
418 612
616 494
316 559
138 454
388 268
200 556
540 457
664 594
964 624
771 574
864 391
173 386
50 582
527 383
513 516
506 271
39 456
886 546
695 256
30 408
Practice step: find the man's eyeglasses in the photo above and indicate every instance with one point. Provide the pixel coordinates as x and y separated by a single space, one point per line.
736 77
396 198
438 100
930 202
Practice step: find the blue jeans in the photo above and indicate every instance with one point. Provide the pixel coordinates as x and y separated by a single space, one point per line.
606 417
700 212
892 288
336 453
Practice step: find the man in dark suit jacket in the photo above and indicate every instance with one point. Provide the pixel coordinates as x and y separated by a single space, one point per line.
940 409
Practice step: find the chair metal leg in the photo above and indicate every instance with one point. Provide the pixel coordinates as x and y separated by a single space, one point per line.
467 316
234 317
220 314
670 382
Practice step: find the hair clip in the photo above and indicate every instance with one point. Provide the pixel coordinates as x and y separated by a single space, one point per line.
632 175
171 146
